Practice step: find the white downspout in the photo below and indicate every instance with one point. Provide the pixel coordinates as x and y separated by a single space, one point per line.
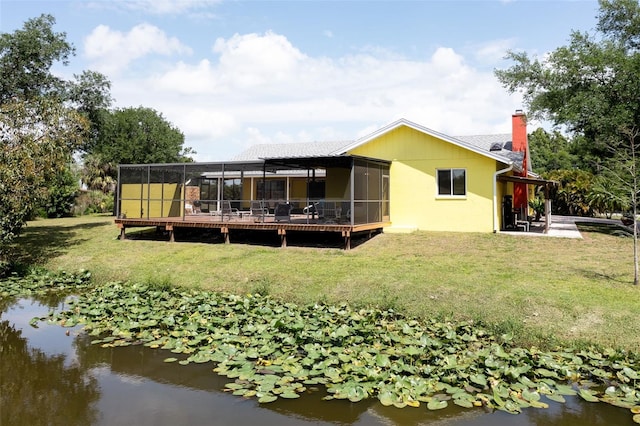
495 196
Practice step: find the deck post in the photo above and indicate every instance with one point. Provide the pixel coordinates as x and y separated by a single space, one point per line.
283 237
225 233
172 236
347 239
123 235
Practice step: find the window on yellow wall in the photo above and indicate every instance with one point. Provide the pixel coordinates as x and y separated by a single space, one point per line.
452 182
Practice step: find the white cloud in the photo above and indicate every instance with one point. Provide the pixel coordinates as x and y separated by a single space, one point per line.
187 79
110 51
251 60
493 51
255 136
260 88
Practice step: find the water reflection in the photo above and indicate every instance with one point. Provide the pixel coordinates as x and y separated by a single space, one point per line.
39 388
49 377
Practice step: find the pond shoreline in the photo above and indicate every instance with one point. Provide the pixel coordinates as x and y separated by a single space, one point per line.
278 351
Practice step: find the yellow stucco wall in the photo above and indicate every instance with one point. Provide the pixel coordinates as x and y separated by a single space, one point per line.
416 157
298 188
153 200
247 191
337 185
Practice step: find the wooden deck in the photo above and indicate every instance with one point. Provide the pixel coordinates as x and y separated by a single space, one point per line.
227 224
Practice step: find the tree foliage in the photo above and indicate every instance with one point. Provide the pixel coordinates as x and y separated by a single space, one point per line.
570 195
37 139
98 174
90 95
140 135
26 57
550 151
605 197
61 194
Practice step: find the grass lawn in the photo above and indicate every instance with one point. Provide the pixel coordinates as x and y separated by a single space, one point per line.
543 290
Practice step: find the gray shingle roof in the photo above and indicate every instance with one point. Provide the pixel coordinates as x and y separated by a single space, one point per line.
329 148
485 142
290 150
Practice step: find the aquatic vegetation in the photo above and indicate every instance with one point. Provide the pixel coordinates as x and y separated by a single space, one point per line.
39 282
281 350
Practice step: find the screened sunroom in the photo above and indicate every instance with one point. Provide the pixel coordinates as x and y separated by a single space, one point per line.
346 190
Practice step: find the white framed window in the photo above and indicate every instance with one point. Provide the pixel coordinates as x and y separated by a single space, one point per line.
452 182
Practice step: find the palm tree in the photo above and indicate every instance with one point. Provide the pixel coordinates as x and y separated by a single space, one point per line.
97 174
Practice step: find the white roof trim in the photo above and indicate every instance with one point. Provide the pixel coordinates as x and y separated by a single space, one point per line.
403 122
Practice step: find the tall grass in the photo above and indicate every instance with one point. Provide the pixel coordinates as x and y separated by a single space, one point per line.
541 290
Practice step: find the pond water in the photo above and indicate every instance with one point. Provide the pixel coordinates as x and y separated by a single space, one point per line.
52 375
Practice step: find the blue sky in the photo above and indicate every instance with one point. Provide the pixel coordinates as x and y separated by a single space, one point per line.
230 74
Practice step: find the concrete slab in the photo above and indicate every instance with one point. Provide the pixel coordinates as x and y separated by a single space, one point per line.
561 227
564 227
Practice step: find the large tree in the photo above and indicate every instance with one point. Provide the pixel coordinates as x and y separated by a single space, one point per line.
140 135
39 130
26 58
90 94
550 151
37 138
592 88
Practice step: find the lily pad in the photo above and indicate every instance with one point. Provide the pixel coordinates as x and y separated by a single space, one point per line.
265 399
588 395
436 404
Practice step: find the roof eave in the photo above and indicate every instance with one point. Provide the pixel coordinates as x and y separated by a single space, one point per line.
422 129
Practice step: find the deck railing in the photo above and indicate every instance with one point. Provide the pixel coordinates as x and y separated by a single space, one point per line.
317 210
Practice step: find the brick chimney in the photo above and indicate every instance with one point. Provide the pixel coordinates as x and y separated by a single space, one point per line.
519 137
520 144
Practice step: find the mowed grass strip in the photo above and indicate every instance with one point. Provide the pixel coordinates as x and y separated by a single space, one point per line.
542 290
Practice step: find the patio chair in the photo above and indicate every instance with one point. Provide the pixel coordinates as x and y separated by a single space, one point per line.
192 207
329 212
283 212
228 211
258 211
225 210
188 208
315 210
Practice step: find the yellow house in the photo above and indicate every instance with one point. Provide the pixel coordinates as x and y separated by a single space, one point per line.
442 183
436 182
402 177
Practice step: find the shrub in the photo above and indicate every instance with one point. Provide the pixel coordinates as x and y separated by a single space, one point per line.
89 202
61 196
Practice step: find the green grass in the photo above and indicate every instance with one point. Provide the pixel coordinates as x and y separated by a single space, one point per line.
543 290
